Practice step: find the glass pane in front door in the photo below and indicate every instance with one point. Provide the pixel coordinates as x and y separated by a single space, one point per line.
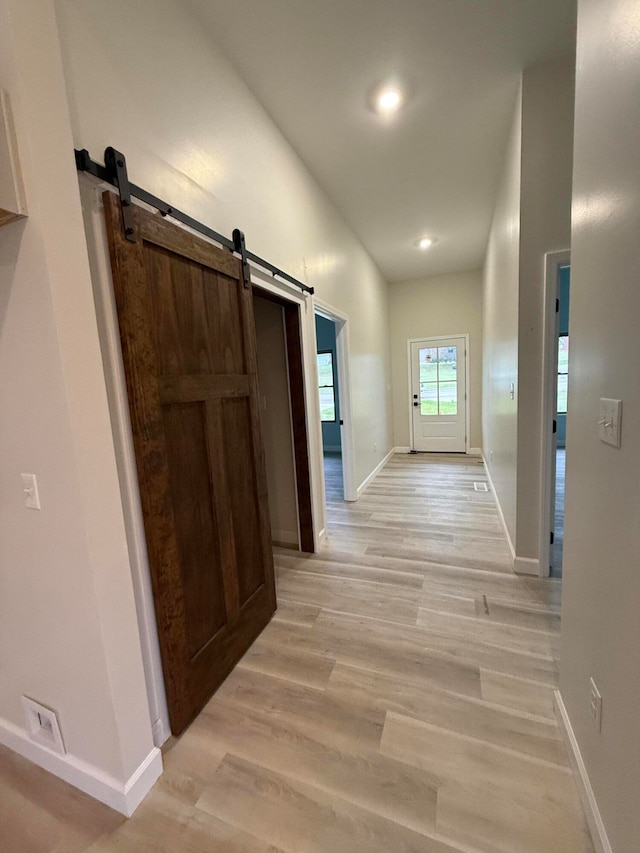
438 380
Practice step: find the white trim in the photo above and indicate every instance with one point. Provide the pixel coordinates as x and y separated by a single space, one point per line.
402 450
512 550
343 363
474 451
589 802
526 566
310 380
552 263
108 330
368 480
124 798
467 383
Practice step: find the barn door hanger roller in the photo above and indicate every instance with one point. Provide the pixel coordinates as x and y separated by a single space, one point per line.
114 172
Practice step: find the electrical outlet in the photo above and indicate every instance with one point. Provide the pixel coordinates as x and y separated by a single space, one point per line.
491 456
595 705
375 447
42 725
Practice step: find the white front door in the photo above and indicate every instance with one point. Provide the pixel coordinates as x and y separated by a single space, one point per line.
438 395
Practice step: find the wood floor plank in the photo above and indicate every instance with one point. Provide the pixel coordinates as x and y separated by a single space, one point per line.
297 817
492 796
323 716
365 597
293 663
379 692
513 692
296 613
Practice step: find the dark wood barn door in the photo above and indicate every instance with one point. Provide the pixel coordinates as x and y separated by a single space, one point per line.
188 345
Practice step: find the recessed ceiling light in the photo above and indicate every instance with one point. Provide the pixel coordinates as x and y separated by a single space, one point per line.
425 242
389 100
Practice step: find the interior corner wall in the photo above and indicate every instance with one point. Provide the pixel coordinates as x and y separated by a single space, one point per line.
68 628
500 331
545 226
601 585
195 135
439 305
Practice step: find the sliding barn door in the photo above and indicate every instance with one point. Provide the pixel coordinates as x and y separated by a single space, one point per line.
188 345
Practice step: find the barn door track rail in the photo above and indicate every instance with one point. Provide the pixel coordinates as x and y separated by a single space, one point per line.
114 172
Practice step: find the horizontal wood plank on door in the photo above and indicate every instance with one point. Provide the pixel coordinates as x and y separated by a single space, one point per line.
152 229
187 389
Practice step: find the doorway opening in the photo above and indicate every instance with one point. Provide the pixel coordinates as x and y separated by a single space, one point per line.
283 420
330 413
334 395
555 406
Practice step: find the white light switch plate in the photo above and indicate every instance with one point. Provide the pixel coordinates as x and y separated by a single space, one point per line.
30 489
610 421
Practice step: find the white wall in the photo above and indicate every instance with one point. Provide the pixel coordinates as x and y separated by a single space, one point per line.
431 307
275 420
545 226
532 217
194 134
500 331
601 599
68 629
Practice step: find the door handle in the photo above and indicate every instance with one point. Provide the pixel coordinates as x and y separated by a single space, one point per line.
415 396
415 405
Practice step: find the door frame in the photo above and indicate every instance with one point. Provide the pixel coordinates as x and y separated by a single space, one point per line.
467 414
91 191
344 398
553 261
292 330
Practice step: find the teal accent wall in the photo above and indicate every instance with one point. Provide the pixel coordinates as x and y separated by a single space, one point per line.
326 340
564 287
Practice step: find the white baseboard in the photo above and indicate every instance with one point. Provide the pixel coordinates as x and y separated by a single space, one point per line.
402 450
124 798
322 535
512 550
589 804
526 566
374 473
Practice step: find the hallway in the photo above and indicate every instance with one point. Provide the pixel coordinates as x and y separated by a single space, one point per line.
400 700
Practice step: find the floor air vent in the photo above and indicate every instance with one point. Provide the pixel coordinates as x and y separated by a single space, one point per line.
481 487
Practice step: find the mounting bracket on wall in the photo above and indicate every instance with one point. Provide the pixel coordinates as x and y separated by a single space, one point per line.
114 172
114 161
241 249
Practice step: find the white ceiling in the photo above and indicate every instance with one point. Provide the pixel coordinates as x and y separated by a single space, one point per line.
434 169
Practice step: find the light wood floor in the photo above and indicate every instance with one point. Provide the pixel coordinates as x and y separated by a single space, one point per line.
400 700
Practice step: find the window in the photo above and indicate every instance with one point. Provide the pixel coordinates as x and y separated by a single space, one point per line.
326 386
563 373
438 381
